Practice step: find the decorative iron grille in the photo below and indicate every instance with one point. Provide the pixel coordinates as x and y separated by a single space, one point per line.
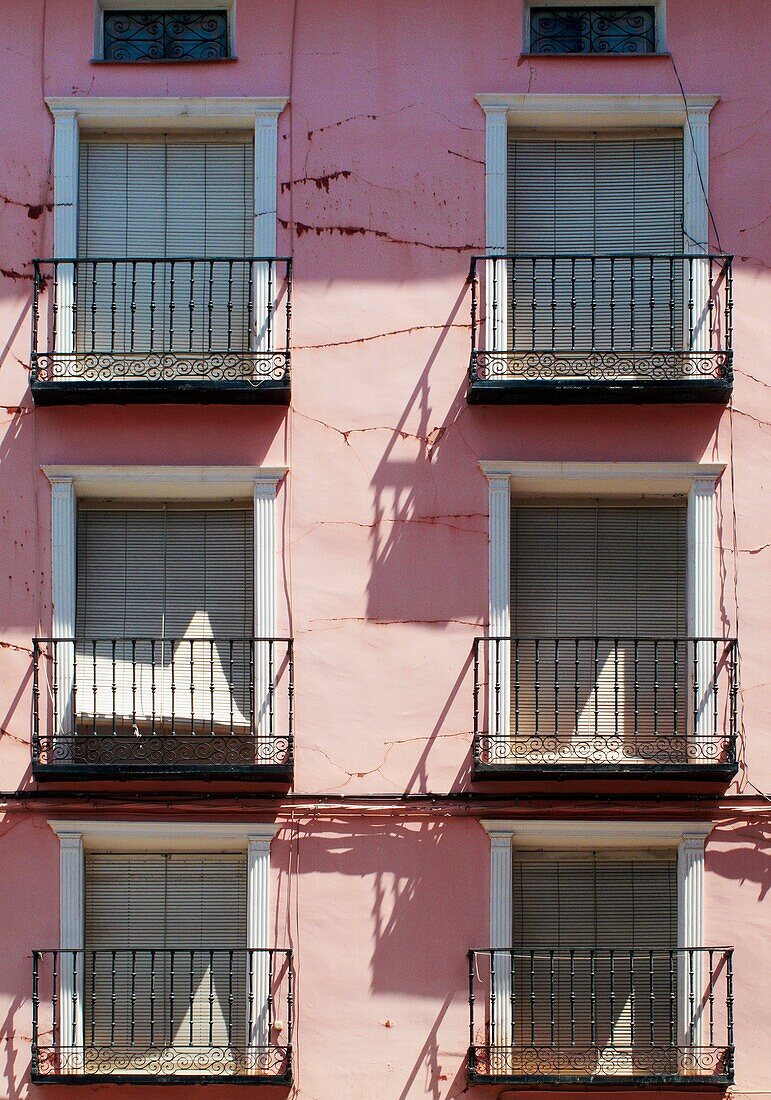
165 36
144 321
168 1013
147 706
624 30
620 318
578 702
608 1015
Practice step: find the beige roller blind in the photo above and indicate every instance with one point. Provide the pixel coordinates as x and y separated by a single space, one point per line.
591 195
165 573
613 1003
161 198
142 905
614 574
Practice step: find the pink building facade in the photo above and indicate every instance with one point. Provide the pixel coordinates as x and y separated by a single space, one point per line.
384 549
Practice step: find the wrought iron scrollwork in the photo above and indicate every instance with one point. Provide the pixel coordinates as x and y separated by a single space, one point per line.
165 36
603 30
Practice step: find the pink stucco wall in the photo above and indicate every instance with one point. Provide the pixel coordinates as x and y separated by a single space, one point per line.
384 511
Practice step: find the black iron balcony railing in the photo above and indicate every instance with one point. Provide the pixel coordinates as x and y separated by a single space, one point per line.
182 328
617 1016
606 705
620 327
158 1015
163 706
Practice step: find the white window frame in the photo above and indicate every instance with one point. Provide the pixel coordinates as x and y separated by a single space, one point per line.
660 16
597 112
75 115
102 6
78 837
253 484
697 482
686 839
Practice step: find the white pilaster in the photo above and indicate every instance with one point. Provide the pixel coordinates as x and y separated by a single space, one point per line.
65 223
71 931
265 192
496 160
63 596
499 657
258 934
264 592
501 908
690 934
701 518
696 222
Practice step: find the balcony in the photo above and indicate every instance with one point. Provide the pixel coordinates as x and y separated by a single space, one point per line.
600 328
168 330
602 707
615 1017
171 707
148 1016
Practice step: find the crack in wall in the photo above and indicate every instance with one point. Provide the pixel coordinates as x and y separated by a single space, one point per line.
382 336
302 228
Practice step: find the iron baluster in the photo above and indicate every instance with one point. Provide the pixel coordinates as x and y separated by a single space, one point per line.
729 1002
631 305
612 303
691 328
711 996
271 688
36 957
556 687
572 998
593 997
631 997
230 305
651 1000
534 285
152 996
672 303
572 303
269 327
251 1026
636 645
35 705
290 701
152 304
497 686
551 996
655 688
172 954
495 305
172 300
113 301
230 998
474 291
210 305
493 1013
211 998
593 269
691 997
211 688
516 685
710 302
113 994
715 699
191 323
270 992
92 1022
471 957
532 998
616 724
191 997
133 306
553 303
652 303
676 683
672 1013
695 686
133 999
537 683
74 1000
55 307
55 998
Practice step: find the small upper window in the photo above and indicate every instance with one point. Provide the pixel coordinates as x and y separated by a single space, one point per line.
165 35
593 30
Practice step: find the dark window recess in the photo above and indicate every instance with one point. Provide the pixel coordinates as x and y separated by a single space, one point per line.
625 30
165 36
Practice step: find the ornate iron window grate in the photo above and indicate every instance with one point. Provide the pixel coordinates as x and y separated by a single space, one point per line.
624 30
165 35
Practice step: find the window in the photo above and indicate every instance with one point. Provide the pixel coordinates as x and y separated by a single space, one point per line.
598 609
593 30
162 199
164 628
166 965
595 229
149 35
596 933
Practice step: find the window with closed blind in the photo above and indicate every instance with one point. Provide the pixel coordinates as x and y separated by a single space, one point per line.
605 216
594 940
181 204
165 951
164 624
598 618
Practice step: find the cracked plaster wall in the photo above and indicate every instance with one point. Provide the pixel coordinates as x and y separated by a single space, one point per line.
383 519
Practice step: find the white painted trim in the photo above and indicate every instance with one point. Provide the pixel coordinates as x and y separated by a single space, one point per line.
76 837
72 114
71 937
660 17
603 112
163 835
101 6
600 478
498 656
686 838
574 834
165 482
190 483
129 112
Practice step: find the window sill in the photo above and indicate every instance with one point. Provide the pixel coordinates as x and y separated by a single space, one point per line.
164 61
598 56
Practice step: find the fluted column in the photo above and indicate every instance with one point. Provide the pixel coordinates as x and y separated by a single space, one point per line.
701 601
258 935
499 655
66 145
71 933
496 159
63 597
690 934
264 593
696 221
501 906
265 192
